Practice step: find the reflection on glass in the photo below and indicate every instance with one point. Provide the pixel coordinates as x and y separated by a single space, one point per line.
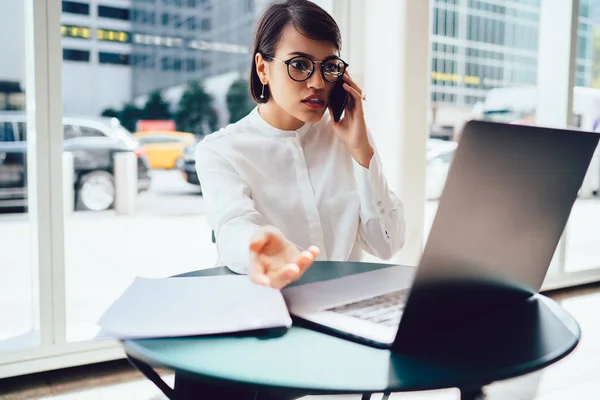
18 293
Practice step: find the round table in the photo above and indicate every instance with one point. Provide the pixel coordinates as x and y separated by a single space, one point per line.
506 344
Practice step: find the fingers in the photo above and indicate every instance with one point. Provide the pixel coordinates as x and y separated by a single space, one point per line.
356 95
307 258
351 82
276 262
283 276
314 250
263 271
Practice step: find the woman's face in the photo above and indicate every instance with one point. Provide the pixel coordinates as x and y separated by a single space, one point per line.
302 101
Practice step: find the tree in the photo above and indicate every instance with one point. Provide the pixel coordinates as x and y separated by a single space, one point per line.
110 112
129 116
239 102
156 107
195 112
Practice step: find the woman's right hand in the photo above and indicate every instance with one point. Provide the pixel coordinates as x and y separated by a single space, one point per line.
275 261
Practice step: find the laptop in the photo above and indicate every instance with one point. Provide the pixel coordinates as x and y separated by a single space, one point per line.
507 198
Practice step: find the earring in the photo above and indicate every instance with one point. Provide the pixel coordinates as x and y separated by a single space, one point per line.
262 94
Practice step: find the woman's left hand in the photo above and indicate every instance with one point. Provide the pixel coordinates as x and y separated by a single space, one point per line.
352 129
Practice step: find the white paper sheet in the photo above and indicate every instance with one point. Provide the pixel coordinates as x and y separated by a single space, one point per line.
189 306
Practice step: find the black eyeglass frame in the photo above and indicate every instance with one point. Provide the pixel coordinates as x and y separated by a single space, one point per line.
312 70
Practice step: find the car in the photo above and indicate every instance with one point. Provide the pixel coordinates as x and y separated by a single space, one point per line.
438 158
93 142
164 148
187 165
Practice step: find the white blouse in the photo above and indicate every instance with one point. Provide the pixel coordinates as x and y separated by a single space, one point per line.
303 182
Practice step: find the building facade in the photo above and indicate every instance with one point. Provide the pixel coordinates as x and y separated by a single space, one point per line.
478 45
118 51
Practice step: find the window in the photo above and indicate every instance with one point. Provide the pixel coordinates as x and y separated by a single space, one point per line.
86 131
113 58
164 64
192 24
76 55
151 18
445 22
165 19
7 132
70 132
113 12
79 32
486 30
191 64
110 35
584 8
22 128
75 7
79 131
177 64
481 5
159 139
206 24
582 47
473 99
142 61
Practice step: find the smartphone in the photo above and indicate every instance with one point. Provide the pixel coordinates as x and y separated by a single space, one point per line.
338 100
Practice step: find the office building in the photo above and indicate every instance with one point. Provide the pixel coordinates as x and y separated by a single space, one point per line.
478 45
118 51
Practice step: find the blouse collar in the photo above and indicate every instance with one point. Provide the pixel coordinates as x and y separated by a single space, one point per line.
264 126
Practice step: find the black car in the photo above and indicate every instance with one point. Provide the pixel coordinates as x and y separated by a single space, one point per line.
187 165
93 142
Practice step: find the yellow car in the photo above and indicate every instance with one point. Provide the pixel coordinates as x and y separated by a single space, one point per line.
163 148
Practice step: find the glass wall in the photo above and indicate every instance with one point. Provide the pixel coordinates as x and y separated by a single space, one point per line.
484 66
145 80
583 241
134 73
19 322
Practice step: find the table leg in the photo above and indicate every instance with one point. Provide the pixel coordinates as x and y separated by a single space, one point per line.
472 394
366 396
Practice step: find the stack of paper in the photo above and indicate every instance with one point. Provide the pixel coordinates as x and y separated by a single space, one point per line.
189 306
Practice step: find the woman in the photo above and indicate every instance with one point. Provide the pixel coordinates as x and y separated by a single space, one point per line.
286 184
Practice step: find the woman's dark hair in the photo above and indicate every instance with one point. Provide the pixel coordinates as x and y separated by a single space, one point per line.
304 15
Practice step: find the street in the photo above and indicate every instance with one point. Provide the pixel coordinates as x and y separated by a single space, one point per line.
168 235
170 195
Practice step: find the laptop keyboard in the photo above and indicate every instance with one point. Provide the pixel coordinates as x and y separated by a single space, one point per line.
385 309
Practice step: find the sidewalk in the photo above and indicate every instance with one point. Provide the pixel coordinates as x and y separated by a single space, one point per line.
104 253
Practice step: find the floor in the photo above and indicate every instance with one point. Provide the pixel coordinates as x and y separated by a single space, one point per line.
575 377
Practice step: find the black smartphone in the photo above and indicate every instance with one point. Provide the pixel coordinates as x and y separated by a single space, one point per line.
338 100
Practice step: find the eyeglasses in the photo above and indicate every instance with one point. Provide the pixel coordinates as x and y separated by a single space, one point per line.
301 68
